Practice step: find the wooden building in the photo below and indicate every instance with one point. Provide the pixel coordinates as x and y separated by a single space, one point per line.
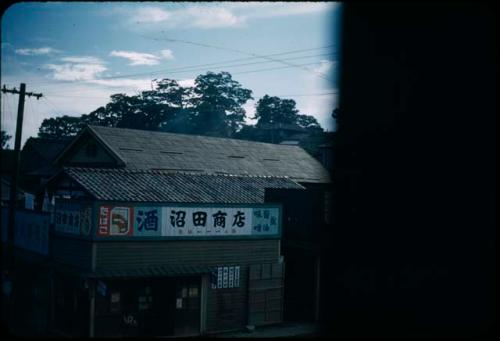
167 234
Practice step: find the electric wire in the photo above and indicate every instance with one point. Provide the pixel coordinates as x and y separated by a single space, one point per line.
243 52
186 68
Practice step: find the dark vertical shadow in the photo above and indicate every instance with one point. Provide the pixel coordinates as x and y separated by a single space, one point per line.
413 238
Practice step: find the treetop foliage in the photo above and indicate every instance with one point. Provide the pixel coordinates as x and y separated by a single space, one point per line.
213 106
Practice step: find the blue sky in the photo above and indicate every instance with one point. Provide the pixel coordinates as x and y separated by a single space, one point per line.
78 54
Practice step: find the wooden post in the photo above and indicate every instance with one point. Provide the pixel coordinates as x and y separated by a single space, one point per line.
92 308
318 289
203 303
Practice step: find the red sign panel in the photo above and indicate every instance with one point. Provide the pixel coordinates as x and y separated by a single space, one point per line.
115 221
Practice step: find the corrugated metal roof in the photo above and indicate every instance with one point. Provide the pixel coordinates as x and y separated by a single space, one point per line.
140 149
175 187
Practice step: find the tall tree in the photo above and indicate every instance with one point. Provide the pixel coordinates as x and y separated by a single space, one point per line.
217 102
272 110
60 127
5 138
308 122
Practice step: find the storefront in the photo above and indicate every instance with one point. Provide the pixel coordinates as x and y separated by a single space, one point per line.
148 306
132 268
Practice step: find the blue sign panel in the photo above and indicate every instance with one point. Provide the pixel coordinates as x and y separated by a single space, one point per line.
148 221
31 230
265 221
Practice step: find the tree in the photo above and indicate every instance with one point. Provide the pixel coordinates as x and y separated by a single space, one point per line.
308 122
5 138
163 108
217 102
278 119
272 110
60 127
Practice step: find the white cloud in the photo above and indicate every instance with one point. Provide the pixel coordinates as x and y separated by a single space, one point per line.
150 14
193 16
255 10
124 83
77 68
186 82
167 54
319 106
36 51
219 15
138 58
206 17
324 67
84 60
75 72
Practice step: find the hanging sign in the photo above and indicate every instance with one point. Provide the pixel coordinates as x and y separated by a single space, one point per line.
224 277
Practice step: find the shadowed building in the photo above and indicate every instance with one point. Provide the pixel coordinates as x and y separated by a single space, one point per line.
168 234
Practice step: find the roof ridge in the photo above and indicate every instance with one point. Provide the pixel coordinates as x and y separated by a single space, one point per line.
192 135
170 172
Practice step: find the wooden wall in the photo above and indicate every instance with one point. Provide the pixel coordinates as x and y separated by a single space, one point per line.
227 309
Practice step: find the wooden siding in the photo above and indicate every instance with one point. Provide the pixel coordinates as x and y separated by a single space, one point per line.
71 251
79 156
226 308
265 303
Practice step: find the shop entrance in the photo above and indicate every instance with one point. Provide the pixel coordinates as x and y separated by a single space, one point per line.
149 307
187 306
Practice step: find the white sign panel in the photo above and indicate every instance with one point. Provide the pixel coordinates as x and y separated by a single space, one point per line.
231 276
224 277
183 221
206 221
236 276
219 277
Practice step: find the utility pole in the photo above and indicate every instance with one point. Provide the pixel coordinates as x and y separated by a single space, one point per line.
8 276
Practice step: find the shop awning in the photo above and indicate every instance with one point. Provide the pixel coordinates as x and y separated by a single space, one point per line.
157 271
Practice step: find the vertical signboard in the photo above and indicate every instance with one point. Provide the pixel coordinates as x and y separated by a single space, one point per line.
115 221
265 221
219 277
231 277
225 277
236 276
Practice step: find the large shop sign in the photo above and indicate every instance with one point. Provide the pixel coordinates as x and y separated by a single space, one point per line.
182 221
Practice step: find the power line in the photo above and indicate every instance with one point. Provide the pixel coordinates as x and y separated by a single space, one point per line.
85 97
171 70
52 104
234 65
237 73
287 95
305 95
273 68
243 52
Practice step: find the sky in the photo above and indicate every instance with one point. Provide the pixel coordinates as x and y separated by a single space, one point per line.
78 54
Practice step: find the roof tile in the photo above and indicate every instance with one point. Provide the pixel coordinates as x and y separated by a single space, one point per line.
161 186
